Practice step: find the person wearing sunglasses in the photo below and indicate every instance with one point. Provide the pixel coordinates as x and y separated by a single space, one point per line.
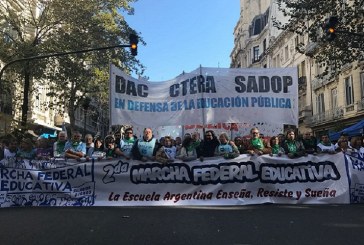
256 145
126 144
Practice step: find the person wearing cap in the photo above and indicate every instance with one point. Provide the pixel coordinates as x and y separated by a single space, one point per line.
75 148
26 149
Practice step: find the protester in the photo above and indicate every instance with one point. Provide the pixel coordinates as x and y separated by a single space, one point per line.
117 137
256 145
325 145
145 148
43 151
178 144
240 142
196 142
11 150
209 144
98 150
59 145
343 137
356 143
343 145
277 149
111 148
188 151
127 143
226 148
26 149
89 141
293 147
75 148
167 152
310 143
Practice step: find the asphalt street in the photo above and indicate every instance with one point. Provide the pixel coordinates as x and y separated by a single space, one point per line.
232 225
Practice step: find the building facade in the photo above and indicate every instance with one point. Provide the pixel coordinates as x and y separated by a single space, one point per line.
325 104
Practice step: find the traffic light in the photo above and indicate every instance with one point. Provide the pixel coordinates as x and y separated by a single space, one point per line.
329 28
133 40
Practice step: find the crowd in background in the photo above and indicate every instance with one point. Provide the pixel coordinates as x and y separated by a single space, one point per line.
168 149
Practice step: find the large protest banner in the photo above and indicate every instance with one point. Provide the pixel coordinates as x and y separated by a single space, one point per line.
206 95
355 168
216 181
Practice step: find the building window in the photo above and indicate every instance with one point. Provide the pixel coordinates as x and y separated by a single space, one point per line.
256 53
286 53
334 98
349 93
264 45
362 84
320 103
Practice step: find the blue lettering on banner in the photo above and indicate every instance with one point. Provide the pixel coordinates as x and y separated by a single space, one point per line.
271 102
147 107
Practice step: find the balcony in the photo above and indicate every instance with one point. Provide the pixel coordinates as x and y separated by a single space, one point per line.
360 104
327 116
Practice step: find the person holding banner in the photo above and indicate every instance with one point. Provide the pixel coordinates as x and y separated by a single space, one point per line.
325 145
292 147
59 145
26 149
188 150
145 148
356 143
256 145
75 148
126 144
209 144
167 152
277 149
111 148
227 148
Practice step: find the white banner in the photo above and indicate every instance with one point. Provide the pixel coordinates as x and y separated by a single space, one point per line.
355 169
216 181
206 95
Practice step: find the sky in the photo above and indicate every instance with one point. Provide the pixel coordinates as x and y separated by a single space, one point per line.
181 35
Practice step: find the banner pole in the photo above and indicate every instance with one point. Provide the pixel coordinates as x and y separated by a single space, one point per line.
203 108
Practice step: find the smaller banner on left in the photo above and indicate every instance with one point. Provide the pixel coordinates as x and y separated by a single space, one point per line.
46 183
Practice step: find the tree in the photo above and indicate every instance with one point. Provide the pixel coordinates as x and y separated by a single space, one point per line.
56 26
308 17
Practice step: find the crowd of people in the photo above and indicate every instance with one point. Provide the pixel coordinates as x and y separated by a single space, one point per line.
167 149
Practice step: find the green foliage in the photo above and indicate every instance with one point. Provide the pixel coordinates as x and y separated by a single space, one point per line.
308 16
57 26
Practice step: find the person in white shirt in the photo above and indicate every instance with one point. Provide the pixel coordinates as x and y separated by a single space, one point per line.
325 145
